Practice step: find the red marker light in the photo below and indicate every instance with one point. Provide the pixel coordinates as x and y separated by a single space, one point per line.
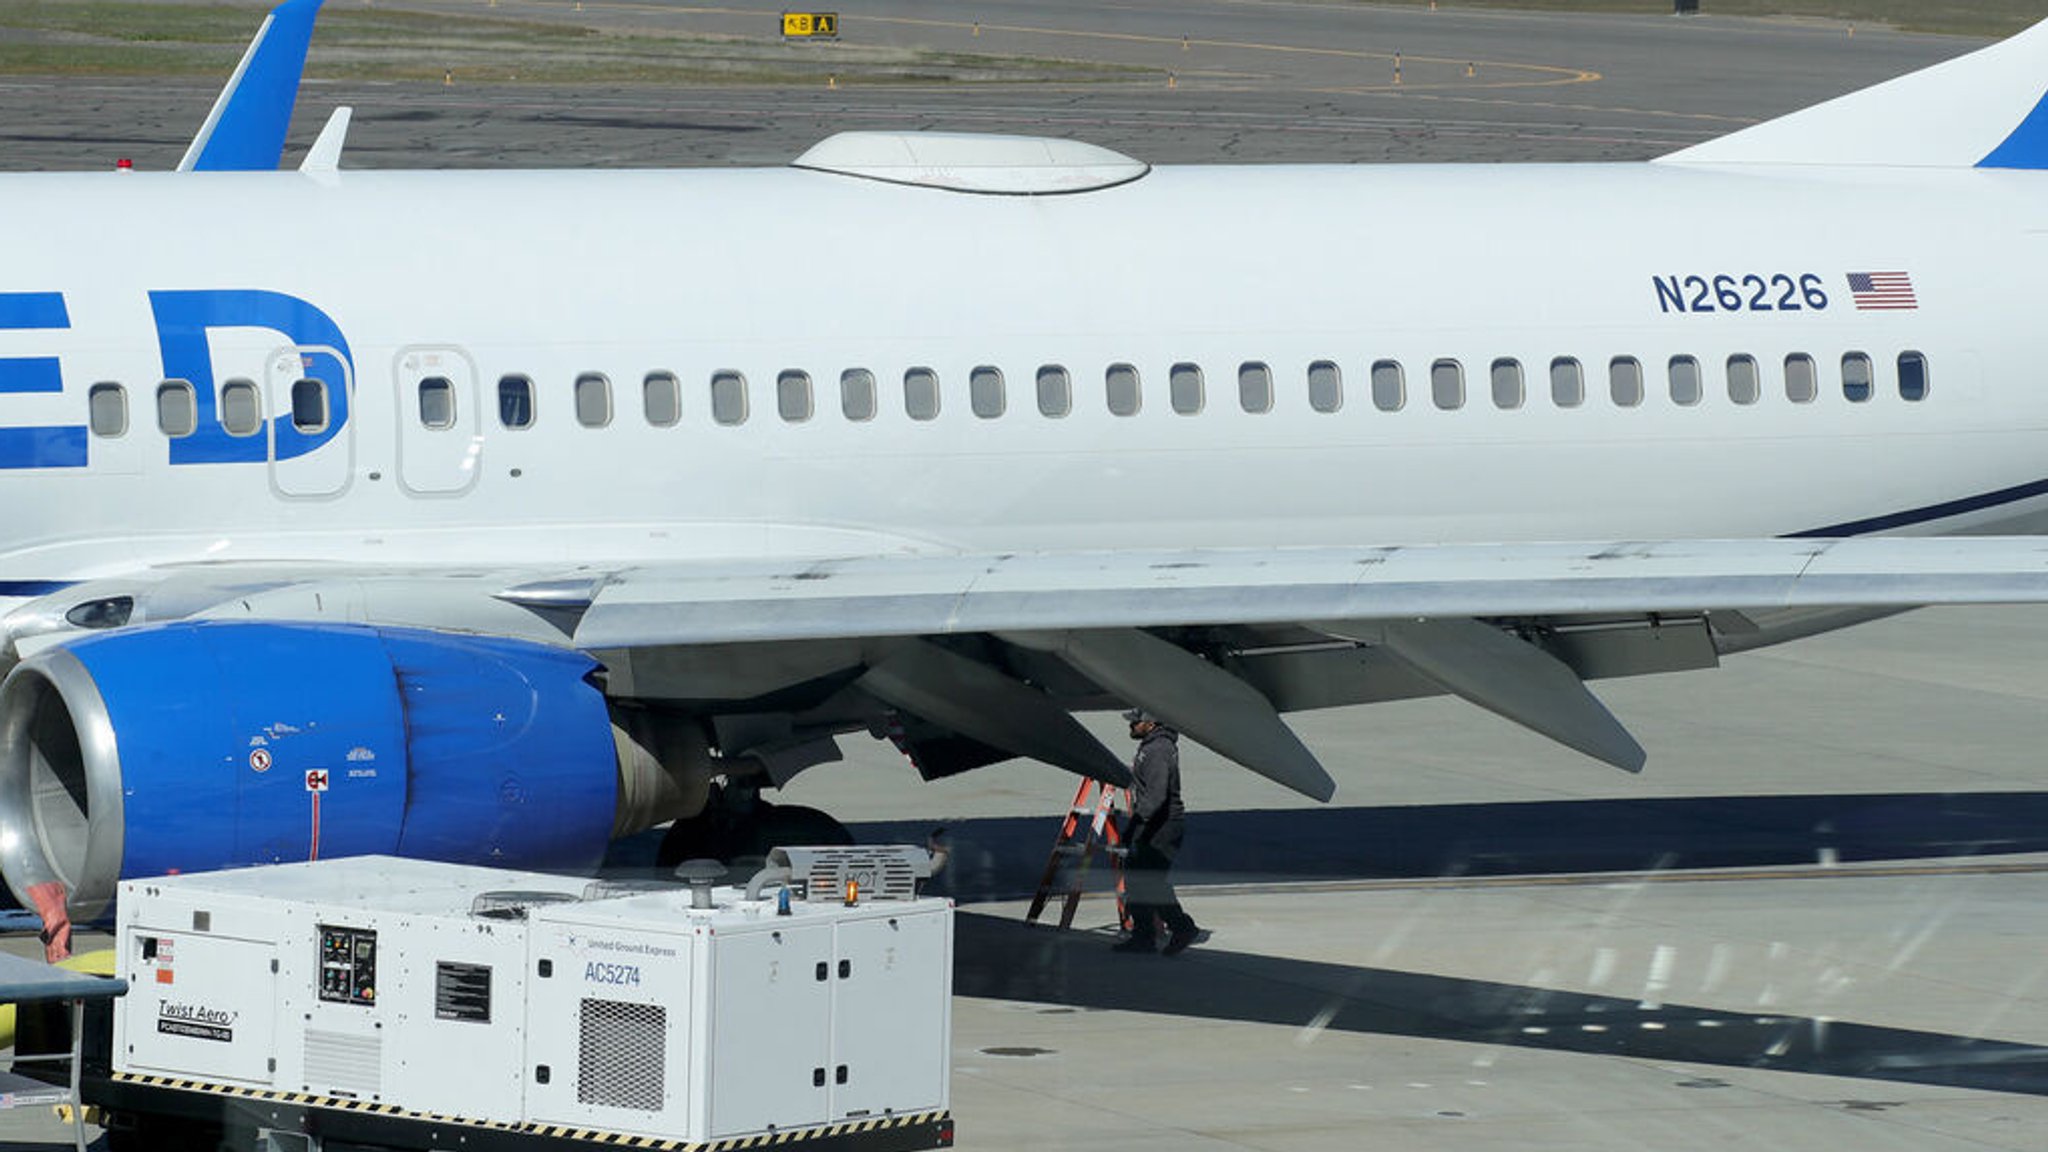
124 164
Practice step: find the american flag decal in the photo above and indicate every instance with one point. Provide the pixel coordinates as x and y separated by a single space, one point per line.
1882 291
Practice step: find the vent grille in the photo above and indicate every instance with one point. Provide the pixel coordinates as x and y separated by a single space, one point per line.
884 872
512 904
343 1064
610 889
622 1056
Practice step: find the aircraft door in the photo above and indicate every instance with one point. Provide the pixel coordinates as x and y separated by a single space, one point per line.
311 393
440 440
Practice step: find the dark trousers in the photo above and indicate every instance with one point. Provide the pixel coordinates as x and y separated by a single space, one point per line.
1148 885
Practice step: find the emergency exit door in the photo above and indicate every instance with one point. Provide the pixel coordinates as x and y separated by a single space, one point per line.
440 427
310 396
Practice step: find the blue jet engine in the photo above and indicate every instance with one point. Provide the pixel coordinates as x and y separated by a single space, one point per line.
202 745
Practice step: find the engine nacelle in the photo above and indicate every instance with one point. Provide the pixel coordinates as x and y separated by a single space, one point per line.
195 746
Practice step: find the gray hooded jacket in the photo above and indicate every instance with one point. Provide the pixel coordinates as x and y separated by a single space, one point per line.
1155 785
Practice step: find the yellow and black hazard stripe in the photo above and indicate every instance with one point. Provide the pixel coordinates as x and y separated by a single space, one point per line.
832 1132
857 1133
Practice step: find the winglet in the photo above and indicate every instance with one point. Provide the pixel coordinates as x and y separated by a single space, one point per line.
1988 109
325 154
245 130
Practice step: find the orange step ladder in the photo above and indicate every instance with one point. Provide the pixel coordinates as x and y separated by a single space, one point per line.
1090 823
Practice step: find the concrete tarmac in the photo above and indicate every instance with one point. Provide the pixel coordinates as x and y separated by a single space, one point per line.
1814 920
1256 82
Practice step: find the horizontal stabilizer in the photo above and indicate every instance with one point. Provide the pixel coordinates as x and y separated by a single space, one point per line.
245 130
977 701
1227 715
1510 678
1980 110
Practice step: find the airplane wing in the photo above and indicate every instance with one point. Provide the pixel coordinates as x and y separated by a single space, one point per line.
993 653
713 603
520 715
245 130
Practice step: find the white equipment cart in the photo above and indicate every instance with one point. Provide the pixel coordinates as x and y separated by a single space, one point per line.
379 1003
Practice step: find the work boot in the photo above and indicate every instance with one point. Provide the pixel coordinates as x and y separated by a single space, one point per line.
1136 944
1180 940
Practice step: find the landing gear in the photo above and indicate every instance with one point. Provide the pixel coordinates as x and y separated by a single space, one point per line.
738 826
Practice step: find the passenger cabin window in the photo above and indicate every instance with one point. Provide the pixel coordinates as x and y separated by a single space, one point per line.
857 394
1856 377
1745 382
1184 388
661 399
437 403
1625 381
985 394
177 409
1121 381
1325 386
1389 386
1447 384
921 394
309 405
1507 384
1685 381
1567 382
241 408
1254 387
1055 391
1912 376
107 407
1802 379
793 396
515 402
728 398
593 400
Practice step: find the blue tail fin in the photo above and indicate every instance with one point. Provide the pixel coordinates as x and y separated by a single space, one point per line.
245 131
1988 109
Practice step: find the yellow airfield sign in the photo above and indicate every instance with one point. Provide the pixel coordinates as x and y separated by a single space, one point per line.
810 25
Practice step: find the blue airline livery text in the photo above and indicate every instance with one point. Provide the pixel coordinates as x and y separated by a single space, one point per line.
183 319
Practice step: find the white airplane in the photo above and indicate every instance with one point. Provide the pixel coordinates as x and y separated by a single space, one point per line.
487 516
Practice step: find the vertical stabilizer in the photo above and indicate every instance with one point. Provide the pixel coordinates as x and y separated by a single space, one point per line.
1988 109
245 131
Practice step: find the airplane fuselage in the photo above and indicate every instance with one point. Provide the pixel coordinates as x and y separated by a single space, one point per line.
1203 357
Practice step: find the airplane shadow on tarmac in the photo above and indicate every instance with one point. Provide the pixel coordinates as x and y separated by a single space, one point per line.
1004 959
1002 859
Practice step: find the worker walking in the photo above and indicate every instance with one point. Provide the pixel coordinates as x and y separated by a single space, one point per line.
1157 826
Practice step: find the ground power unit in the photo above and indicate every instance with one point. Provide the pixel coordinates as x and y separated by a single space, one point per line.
380 1002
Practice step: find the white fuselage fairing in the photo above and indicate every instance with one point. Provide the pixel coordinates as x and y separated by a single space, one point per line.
471 278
